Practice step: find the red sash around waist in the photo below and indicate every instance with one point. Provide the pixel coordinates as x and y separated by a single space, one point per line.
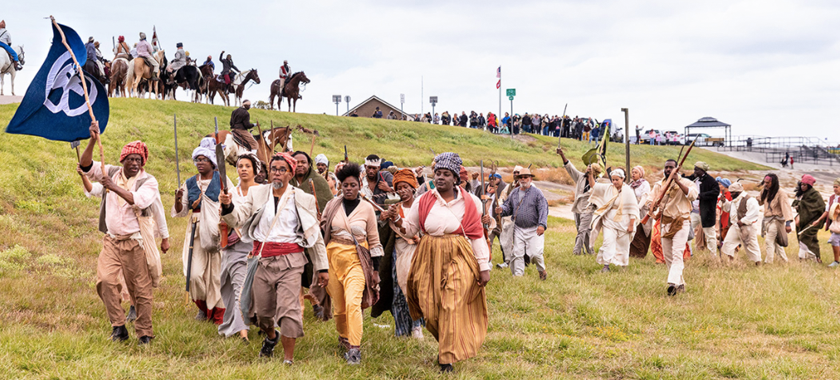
276 249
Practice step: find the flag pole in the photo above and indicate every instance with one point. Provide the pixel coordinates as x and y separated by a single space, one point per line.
84 87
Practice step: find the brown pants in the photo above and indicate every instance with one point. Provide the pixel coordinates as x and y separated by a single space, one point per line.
276 294
127 255
246 137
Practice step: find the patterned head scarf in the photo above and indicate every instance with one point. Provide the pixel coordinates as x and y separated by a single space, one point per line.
206 148
450 161
289 160
135 147
407 176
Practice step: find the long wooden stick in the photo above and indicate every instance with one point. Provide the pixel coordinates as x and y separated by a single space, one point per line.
84 87
667 185
312 147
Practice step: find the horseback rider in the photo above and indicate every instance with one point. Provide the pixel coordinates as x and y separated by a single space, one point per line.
209 61
92 64
240 124
285 74
6 43
228 69
122 49
101 63
179 61
146 51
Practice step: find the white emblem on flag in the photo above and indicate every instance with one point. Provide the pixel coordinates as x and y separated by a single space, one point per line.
64 76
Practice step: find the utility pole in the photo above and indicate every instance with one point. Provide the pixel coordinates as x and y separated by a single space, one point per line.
433 100
347 99
627 175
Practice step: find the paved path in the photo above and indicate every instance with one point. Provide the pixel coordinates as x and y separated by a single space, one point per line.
10 99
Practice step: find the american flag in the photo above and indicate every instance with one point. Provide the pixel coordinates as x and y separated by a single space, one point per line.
499 75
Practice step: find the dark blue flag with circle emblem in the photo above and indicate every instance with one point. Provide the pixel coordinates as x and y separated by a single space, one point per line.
54 105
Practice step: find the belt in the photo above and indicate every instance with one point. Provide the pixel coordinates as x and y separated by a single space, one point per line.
276 249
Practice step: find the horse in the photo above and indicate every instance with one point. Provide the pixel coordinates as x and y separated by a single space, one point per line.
291 90
213 85
93 69
119 71
266 144
243 78
189 78
7 66
139 71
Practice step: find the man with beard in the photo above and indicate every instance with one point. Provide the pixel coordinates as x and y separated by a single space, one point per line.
706 204
810 206
282 222
376 184
674 212
303 173
777 218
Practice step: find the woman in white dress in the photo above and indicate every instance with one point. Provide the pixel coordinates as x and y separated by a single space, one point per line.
617 213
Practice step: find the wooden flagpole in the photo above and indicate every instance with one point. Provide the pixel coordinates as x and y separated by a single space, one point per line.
84 87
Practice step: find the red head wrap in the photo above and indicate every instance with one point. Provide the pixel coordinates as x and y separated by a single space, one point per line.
465 177
808 179
135 147
289 160
121 39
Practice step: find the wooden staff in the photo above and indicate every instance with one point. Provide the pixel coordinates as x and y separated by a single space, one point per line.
667 185
312 147
84 87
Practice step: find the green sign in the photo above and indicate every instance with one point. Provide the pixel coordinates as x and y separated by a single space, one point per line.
511 92
510 97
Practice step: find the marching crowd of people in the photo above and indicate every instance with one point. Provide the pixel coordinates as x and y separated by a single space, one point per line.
376 236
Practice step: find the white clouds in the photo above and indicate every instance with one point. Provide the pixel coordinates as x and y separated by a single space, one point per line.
759 65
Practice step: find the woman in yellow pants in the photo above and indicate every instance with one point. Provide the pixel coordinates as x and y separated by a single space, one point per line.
347 221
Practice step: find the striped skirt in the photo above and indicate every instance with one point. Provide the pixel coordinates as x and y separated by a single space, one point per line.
443 289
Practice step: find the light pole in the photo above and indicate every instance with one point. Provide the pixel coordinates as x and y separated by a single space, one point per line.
402 100
433 100
337 101
347 99
628 177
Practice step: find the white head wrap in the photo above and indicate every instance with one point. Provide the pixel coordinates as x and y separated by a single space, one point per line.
373 162
618 173
206 148
322 159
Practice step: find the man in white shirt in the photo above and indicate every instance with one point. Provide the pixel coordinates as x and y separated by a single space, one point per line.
743 215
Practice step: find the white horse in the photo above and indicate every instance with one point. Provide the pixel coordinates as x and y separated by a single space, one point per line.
7 66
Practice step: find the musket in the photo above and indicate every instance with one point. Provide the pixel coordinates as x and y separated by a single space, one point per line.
561 125
224 230
667 185
216 136
177 163
314 194
374 204
345 154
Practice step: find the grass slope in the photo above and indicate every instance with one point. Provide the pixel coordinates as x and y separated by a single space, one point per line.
734 322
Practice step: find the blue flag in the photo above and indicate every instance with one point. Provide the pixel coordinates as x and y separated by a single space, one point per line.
54 105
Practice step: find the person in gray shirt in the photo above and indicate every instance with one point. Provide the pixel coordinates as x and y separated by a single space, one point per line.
529 209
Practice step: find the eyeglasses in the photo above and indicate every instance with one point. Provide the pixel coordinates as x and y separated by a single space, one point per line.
280 170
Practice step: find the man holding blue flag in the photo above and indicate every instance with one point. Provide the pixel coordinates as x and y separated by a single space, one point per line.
55 106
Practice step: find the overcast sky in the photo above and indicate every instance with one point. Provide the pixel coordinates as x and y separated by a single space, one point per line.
767 67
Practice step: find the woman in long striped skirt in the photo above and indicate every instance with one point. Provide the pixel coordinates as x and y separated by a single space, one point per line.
453 252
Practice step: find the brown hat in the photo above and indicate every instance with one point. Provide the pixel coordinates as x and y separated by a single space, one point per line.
525 172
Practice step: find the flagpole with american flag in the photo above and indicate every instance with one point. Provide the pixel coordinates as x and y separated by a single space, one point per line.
499 87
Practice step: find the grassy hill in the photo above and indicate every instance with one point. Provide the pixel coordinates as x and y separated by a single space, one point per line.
735 321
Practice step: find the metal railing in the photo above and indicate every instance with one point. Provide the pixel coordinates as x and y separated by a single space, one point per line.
803 149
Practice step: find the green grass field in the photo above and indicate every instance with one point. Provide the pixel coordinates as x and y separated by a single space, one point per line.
735 321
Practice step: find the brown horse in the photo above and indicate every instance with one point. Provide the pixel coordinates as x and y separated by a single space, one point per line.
141 71
119 69
212 86
247 75
265 146
291 91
